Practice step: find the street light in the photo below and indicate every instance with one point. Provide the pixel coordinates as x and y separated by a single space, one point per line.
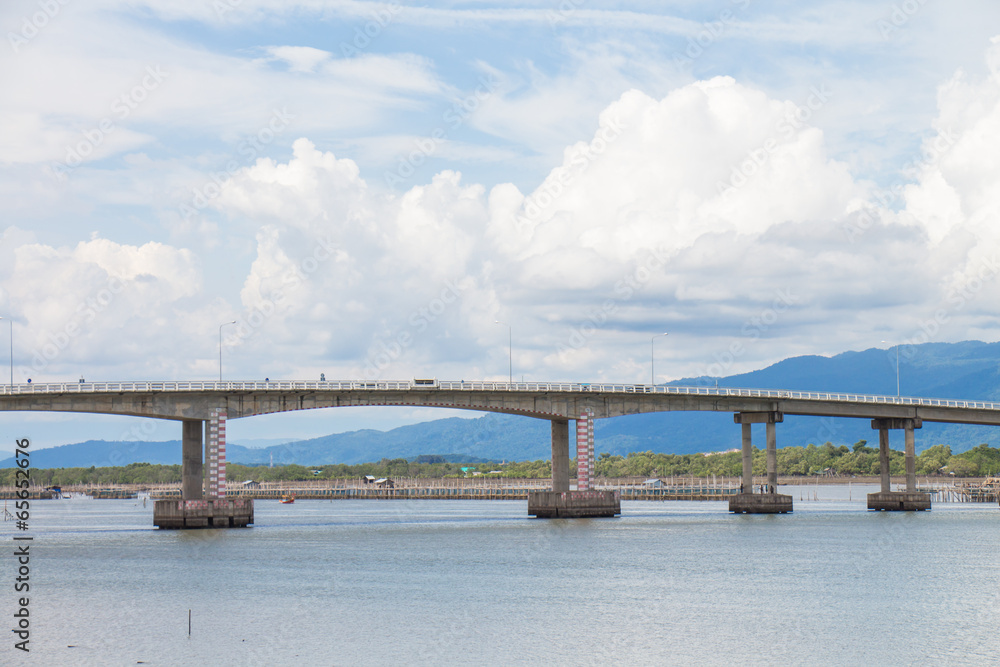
897 367
220 346
11 350
510 352
652 374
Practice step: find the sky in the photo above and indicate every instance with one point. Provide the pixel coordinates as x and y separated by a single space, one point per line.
467 190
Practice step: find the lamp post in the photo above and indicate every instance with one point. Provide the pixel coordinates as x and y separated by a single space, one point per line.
220 346
652 373
510 352
11 350
897 368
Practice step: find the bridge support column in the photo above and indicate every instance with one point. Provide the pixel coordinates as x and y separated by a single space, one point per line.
196 509
584 502
560 455
898 501
769 501
883 459
772 458
910 458
747 484
191 464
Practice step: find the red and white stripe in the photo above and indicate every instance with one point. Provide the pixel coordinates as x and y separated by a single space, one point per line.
216 455
584 449
221 429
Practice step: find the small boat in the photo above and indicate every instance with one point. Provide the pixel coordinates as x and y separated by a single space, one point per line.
287 499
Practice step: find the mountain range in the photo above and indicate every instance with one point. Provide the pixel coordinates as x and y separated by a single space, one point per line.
966 370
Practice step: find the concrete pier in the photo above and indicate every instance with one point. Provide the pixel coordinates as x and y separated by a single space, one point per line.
573 504
218 513
191 459
910 500
769 502
899 501
760 503
560 455
195 510
561 502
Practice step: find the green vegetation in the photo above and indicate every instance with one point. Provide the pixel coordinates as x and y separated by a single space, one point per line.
133 473
860 459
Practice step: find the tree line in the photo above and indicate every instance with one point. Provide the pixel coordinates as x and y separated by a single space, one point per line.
827 459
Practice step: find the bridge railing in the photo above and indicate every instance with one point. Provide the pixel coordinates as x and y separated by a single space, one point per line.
477 386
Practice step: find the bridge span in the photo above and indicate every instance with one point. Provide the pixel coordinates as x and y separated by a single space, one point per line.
543 400
204 408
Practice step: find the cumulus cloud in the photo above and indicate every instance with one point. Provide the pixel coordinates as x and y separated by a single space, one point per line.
644 223
355 269
101 304
714 212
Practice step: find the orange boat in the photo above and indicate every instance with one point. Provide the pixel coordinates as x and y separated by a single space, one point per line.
287 499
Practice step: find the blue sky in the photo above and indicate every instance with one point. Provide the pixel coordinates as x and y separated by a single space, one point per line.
760 179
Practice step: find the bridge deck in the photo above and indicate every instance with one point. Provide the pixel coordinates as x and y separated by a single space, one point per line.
547 400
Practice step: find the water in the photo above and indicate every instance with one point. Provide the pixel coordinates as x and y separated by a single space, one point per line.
477 582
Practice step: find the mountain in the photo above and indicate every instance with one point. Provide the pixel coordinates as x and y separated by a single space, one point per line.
967 370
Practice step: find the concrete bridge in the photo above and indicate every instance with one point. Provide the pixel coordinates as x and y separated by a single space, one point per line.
204 407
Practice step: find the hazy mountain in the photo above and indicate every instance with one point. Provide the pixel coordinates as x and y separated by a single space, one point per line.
968 370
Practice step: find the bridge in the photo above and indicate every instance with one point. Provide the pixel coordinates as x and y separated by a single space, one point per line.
204 407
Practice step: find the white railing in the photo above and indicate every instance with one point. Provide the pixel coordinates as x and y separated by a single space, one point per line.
478 386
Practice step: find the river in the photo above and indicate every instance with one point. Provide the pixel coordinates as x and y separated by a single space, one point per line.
480 583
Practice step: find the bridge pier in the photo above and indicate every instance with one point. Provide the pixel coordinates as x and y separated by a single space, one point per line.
584 502
194 509
909 500
769 502
191 463
560 455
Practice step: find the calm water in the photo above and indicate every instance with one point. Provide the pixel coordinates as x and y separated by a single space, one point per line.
466 582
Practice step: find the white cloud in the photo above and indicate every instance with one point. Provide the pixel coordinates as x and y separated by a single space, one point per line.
646 215
70 302
299 58
620 196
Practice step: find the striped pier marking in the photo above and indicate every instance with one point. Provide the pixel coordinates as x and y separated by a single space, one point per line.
584 449
215 451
